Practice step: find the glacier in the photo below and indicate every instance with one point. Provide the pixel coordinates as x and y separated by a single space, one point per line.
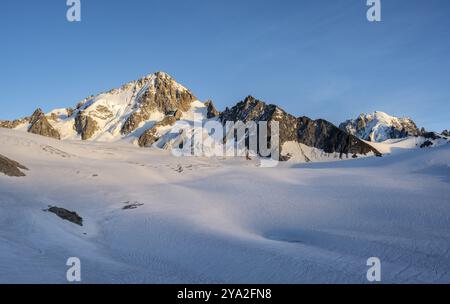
218 220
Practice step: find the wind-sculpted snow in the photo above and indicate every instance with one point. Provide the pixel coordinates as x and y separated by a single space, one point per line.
218 220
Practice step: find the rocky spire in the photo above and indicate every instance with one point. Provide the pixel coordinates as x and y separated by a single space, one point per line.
39 125
211 110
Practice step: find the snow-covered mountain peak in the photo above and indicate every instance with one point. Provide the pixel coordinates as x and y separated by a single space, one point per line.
380 126
118 113
151 82
383 117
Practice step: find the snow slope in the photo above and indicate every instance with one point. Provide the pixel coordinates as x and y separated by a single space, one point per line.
221 220
300 153
395 146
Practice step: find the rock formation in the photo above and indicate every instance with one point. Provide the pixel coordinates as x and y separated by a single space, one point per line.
67 215
85 125
10 167
211 110
150 136
319 134
39 125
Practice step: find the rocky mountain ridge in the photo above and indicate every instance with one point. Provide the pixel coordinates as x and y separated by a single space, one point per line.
148 112
319 134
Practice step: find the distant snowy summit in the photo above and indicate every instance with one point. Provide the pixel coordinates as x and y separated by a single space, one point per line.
394 132
150 111
379 127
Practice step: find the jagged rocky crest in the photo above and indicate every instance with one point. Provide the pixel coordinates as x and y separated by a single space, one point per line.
14 123
319 134
145 112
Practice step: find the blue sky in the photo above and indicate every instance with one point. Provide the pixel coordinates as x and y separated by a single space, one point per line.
319 58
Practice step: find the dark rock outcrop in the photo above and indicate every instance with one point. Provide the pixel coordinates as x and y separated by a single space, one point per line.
426 144
67 215
319 134
39 125
10 167
149 137
211 110
177 114
324 135
132 206
85 125
133 121
445 133
164 95
431 135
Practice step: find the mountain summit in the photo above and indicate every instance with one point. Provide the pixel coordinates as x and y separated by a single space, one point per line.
123 112
379 127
